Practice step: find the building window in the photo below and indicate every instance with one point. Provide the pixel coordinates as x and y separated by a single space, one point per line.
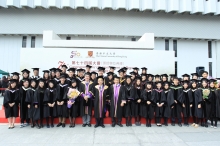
133 39
24 41
175 47
175 68
210 68
209 49
33 42
167 45
68 38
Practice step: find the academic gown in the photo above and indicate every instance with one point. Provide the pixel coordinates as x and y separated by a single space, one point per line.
187 100
148 109
85 107
177 92
57 81
168 100
137 93
73 110
159 100
115 101
62 110
38 113
23 103
69 81
206 103
11 96
215 103
50 96
130 105
22 81
197 99
30 100
100 97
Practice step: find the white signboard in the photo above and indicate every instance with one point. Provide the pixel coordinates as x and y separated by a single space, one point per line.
157 62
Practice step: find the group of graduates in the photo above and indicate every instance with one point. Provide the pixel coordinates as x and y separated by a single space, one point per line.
122 96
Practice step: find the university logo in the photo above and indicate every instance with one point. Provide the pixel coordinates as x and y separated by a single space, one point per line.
90 54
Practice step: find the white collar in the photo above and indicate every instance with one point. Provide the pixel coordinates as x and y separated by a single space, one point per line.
25 89
63 85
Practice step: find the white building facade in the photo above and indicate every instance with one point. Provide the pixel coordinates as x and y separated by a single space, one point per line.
189 27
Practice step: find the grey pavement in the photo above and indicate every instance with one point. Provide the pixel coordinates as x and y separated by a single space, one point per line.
120 136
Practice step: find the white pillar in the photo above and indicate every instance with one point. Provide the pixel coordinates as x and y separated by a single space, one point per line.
217 47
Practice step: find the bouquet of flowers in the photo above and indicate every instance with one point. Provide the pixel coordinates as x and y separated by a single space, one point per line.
72 95
205 93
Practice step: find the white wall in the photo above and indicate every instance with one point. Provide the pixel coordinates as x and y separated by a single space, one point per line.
122 23
190 53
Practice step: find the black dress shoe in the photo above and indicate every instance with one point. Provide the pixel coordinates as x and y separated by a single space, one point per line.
70 126
129 124
113 125
63 125
48 126
73 125
206 125
103 126
41 125
51 125
89 125
96 126
37 126
32 126
58 125
119 124
202 124
83 125
179 124
173 124
166 124
147 125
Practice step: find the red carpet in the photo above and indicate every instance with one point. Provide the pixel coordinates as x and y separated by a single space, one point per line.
107 120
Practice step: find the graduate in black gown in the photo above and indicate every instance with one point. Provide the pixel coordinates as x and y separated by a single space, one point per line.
85 101
25 75
10 102
143 80
143 70
215 102
177 109
206 103
137 93
121 73
38 113
46 77
108 82
187 102
57 76
196 105
15 76
117 101
100 92
159 103
130 105
148 97
36 74
50 97
93 76
71 76
80 75
73 105
168 100
30 100
52 73
23 104
61 101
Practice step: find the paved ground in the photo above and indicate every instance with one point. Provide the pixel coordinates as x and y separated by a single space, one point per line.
132 136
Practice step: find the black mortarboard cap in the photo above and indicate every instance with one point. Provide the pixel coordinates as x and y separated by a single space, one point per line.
88 66
94 73
15 73
121 70
135 68
72 69
195 74
25 70
13 81
150 75
46 71
101 68
53 69
80 69
164 75
111 67
35 69
64 66
185 75
144 68
157 76
41 80
58 70
110 73
132 73
194 81
212 80
125 68
204 79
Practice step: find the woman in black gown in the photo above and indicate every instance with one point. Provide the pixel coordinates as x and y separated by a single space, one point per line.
11 101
